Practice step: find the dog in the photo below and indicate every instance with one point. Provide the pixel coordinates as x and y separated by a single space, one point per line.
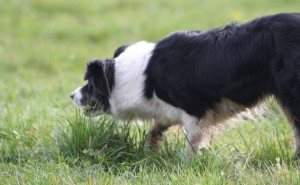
198 79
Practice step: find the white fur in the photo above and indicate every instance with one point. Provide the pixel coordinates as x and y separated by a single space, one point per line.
127 97
76 94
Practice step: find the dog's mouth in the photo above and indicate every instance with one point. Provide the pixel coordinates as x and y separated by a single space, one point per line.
92 111
89 109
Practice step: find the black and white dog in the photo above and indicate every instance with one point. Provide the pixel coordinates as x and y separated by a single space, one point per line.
200 78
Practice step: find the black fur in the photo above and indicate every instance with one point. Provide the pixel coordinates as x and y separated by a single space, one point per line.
195 70
120 50
100 76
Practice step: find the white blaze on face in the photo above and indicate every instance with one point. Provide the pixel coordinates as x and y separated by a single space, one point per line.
77 96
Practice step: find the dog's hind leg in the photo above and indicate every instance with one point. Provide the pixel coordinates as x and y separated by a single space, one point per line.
286 71
289 98
293 116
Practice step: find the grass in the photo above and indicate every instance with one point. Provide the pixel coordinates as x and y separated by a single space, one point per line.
44 46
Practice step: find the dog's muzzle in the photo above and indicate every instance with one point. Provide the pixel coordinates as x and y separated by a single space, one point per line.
76 97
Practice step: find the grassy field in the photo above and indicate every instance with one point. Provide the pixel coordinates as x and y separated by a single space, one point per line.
44 47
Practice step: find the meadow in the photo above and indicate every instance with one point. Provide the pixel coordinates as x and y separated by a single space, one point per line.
44 139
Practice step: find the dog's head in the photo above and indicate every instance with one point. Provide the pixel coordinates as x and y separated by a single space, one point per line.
94 96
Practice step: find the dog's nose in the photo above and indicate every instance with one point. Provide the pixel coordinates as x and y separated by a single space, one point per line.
72 96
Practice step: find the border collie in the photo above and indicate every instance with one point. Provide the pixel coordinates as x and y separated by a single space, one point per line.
200 78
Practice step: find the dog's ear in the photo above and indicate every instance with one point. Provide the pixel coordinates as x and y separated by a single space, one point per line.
120 50
94 68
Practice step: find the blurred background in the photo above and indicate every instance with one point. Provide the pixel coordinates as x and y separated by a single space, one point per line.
45 44
44 47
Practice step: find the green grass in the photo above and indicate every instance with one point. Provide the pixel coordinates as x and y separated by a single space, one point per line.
44 47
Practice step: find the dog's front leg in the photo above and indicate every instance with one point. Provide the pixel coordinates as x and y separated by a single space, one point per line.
156 133
198 134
